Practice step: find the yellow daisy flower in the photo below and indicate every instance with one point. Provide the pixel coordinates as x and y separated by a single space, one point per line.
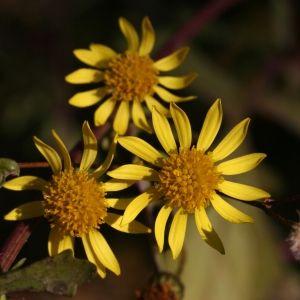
189 177
75 203
129 76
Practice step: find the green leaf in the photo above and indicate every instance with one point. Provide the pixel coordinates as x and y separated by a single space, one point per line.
59 274
8 167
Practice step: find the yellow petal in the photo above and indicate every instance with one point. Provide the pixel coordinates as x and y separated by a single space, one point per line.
26 183
177 83
50 155
139 203
141 149
177 232
92 58
90 147
88 98
103 251
163 132
160 226
171 61
182 125
232 140
119 203
242 191
120 124
91 255
114 221
150 101
130 34
85 76
25 211
114 185
148 37
134 172
169 97
63 151
139 118
241 164
228 212
103 50
206 230
58 243
210 126
104 111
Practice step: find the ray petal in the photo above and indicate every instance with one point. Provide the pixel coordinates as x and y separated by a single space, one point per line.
150 102
210 126
228 212
148 37
177 83
119 203
88 98
104 111
130 34
85 75
58 242
206 230
114 185
103 50
169 97
26 183
177 232
50 155
232 140
139 118
121 120
63 150
25 211
92 58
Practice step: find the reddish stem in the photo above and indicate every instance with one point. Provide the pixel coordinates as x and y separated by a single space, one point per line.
33 165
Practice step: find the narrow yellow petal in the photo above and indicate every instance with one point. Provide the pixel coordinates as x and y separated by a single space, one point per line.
114 185
241 164
103 50
63 150
177 232
141 149
110 155
139 203
206 230
171 61
210 126
130 34
242 191
160 226
84 75
232 140
104 111
148 37
182 125
169 97
103 251
50 155
150 102
177 83
58 243
26 183
121 120
91 255
114 221
92 58
228 212
163 131
139 118
90 147
88 98
134 172
25 211
119 203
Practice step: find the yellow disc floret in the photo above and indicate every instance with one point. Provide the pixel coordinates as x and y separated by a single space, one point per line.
189 179
131 77
75 202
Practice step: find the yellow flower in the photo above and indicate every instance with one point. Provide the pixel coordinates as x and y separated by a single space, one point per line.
189 178
75 203
129 76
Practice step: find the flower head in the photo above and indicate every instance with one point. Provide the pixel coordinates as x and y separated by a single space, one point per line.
131 76
75 202
189 178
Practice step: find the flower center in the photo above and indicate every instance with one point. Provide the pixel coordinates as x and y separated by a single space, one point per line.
75 203
189 179
131 77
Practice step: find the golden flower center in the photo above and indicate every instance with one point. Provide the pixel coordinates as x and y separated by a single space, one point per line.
75 202
131 77
189 179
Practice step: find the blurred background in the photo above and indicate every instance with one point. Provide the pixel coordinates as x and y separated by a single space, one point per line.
245 52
